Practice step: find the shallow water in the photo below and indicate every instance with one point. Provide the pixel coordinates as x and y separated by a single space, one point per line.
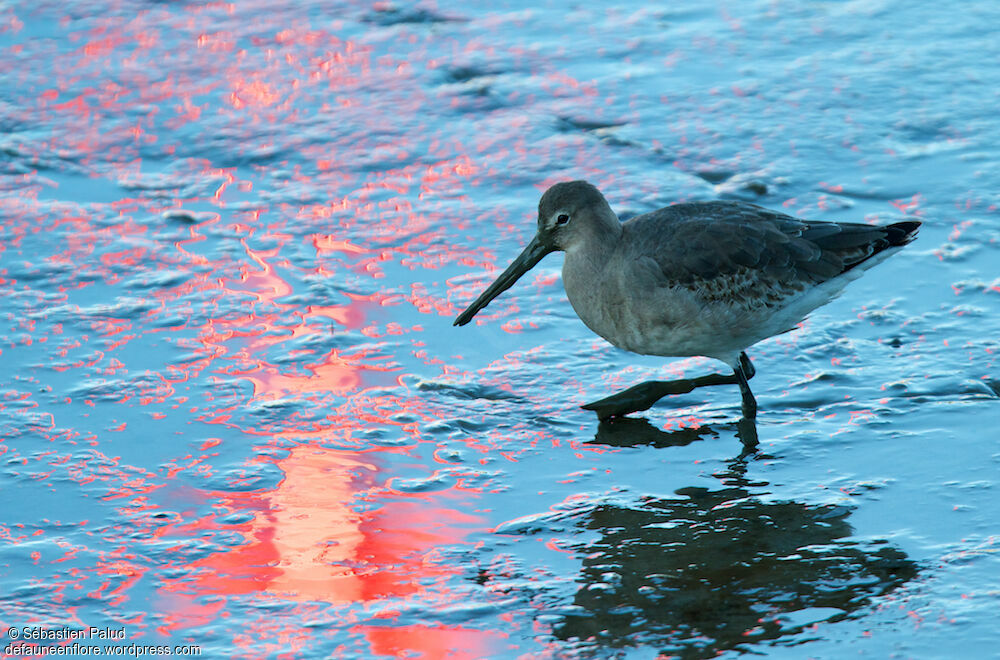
235 413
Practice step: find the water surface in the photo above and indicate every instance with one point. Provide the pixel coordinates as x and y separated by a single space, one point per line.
235 414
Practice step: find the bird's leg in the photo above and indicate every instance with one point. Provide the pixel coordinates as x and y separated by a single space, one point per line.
749 403
643 396
746 431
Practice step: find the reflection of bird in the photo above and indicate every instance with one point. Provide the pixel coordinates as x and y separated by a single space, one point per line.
701 278
711 570
628 432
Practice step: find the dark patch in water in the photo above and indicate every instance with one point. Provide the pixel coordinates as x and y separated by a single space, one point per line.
714 176
393 15
463 74
567 124
993 385
469 391
188 216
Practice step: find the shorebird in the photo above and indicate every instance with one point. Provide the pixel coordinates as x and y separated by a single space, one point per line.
697 278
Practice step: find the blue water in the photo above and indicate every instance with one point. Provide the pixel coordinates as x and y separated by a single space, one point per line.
234 413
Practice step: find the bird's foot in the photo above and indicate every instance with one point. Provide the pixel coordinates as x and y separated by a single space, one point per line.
634 399
643 396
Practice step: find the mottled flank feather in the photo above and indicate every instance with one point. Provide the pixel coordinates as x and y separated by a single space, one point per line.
743 288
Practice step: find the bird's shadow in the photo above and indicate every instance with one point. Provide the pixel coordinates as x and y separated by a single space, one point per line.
638 431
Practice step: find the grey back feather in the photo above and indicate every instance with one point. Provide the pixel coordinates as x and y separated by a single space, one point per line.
722 239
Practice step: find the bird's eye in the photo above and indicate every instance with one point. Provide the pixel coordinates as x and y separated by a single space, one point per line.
562 219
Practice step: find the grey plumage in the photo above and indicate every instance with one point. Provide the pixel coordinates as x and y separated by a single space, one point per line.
724 242
697 278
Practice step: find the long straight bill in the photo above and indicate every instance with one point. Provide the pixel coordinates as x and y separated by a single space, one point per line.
525 261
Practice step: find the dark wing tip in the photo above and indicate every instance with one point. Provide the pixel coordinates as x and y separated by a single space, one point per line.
902 233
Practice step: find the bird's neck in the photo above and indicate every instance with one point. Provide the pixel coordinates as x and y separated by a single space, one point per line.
593 250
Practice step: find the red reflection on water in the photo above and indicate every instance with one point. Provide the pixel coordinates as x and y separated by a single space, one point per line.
242 343
329 532
909 207
432 641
